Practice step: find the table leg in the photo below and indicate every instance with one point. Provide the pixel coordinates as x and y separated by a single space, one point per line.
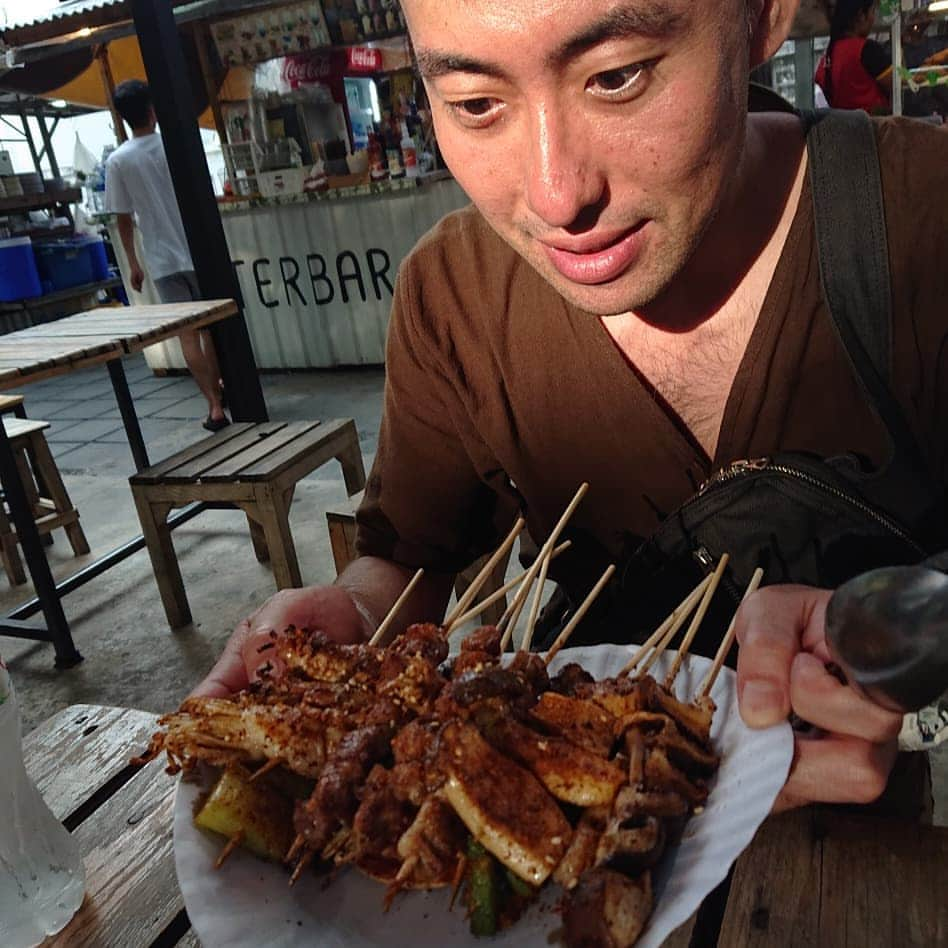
129 417
56 624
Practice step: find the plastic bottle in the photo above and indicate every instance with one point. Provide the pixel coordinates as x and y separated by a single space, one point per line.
42 879
393 152
409 153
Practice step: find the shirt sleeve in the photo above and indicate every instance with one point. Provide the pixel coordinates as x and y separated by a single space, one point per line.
117 198
875 59
425 503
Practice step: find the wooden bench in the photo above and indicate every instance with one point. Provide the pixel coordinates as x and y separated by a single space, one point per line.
342 538
46 494
252 466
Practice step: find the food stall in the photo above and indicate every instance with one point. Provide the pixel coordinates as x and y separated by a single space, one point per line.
330 176
330 169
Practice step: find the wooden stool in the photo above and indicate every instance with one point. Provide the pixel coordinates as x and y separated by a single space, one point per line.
342 536
253 466
12 404
45 493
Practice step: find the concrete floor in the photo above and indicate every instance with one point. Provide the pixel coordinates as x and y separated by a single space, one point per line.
132 658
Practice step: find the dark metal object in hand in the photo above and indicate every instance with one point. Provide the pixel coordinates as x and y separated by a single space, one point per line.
888 631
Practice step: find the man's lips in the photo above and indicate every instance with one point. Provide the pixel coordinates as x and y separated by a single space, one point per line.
593 261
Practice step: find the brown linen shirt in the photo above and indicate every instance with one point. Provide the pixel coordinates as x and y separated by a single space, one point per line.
500 393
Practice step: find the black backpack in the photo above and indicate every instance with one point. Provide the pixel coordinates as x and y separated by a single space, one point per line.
803 519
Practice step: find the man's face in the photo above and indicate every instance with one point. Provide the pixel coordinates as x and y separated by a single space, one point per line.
596 137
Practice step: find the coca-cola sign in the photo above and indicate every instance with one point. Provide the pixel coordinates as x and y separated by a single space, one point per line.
363 59
306 70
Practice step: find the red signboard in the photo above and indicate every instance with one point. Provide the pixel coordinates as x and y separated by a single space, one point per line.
364 59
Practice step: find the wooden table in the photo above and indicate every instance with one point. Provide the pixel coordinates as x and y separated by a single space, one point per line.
814 877
101 336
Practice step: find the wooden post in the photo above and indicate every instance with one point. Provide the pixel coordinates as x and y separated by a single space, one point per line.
105 71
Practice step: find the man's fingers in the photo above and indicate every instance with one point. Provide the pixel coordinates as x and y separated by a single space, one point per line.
822 700
770 625
238 664
835 769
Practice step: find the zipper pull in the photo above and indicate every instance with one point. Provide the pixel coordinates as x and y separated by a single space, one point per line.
734 469
704 559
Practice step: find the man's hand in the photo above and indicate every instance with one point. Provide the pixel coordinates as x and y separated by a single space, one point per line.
136 275
781 667
327 608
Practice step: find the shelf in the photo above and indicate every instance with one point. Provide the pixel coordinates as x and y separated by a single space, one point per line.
49 299
38 233
29 202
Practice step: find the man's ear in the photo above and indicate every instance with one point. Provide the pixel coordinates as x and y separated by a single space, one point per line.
768 25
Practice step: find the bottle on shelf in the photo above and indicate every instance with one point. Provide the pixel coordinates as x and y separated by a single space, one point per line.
393 151
409 153
42 879
378 169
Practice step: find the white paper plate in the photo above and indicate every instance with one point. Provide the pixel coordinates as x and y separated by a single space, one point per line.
249 903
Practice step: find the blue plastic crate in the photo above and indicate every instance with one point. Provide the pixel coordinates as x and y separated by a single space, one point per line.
66 263
19 278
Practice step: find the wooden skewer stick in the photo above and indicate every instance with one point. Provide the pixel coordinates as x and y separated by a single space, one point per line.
305 860
338 843
465 601
458 879
231 845
697 620
266 768
508 621
544 551
510 618
390 618
407 868
728 639
563 637
687 603
295 849
499 594
527 639
669 636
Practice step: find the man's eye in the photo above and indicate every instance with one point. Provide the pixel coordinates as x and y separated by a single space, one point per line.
619 84
476 113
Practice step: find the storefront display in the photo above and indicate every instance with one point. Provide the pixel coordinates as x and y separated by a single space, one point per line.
332 177
263 34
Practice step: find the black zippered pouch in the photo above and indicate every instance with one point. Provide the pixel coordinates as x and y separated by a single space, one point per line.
800 518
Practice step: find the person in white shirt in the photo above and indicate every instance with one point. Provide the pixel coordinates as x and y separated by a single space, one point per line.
138 189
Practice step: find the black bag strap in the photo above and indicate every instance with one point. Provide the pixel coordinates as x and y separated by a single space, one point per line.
849 213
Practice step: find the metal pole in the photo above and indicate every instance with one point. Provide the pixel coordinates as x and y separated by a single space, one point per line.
897 63
56 624
803 73
174 106
87 573
32 145
47 143
129 416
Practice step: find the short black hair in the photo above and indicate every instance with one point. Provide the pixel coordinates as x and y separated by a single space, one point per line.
132 101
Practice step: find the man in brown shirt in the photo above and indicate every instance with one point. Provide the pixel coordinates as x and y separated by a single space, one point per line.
633 301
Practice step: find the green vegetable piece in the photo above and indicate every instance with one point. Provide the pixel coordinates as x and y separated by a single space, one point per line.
262 817
481 890
520 888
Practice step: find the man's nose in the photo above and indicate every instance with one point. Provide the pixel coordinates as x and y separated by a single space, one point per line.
562 175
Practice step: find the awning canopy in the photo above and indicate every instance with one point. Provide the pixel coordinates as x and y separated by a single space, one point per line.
76 76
